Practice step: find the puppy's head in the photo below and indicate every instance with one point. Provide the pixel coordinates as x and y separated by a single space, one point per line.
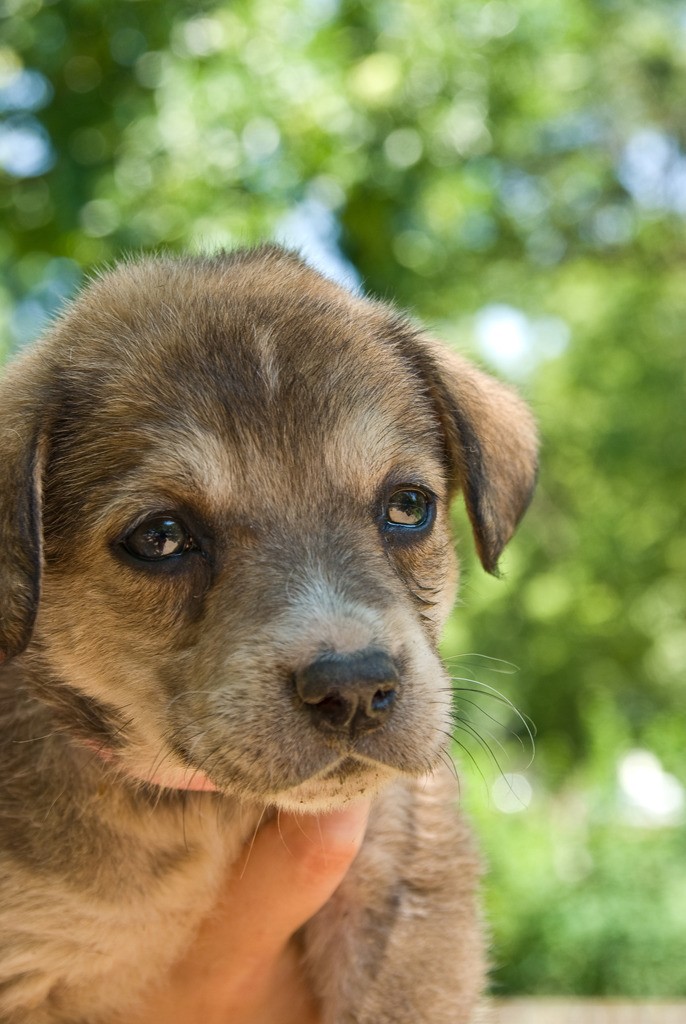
224 524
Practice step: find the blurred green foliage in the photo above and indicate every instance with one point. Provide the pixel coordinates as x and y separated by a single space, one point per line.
514 172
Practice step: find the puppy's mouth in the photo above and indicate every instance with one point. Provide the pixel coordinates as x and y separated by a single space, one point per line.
345 776
346 768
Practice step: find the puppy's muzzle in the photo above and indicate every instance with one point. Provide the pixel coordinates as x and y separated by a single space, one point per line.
349 694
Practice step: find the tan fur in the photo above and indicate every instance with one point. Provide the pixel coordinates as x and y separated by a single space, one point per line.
274 414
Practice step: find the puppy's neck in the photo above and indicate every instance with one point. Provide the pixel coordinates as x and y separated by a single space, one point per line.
188 780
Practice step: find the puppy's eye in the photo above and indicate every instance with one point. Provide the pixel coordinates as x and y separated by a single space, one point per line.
158 538
408 508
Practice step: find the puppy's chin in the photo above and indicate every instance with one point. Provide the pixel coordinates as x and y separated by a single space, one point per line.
348 779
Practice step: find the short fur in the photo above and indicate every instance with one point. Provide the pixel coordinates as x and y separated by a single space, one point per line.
273 413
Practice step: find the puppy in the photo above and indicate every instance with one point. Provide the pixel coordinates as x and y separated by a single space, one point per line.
225 561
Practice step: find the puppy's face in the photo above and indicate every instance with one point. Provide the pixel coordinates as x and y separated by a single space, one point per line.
244 483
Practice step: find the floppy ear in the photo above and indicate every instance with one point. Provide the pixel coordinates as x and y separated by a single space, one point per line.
491 446
21 458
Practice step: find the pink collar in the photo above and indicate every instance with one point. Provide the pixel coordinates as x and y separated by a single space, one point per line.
192 780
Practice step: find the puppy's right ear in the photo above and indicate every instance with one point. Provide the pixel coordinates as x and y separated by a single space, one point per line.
21 467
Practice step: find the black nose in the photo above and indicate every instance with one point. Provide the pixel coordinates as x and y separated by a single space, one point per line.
349 693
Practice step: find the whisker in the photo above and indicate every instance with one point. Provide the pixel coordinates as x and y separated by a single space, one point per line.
497 695
467 727
184 804
467 724
491 718
63 731
508 667
447 760
472 759
278 829
252 841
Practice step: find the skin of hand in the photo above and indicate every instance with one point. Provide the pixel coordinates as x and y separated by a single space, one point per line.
243 966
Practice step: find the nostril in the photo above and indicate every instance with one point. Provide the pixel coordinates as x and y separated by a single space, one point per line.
332 702
383 700
334 710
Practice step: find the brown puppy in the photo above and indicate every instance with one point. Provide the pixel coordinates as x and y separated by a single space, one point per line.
225 561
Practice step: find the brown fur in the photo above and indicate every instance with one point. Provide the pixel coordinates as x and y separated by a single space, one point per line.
273 413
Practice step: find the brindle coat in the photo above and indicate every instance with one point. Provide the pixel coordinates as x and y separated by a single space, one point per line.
282 653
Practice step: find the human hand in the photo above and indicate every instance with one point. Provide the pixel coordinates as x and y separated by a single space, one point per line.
243 966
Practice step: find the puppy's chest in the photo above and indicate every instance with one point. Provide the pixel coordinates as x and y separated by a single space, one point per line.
118 921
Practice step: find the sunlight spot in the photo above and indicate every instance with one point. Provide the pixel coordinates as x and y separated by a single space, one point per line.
99 217
403 147
261 138
503 334
25 149
515 343
200 37
654 797
511 793
653 170
26 89
313 230
376 79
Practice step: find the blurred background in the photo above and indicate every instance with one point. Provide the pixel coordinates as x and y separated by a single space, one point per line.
514 173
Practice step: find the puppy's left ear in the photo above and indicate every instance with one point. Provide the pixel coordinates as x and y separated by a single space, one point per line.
491 446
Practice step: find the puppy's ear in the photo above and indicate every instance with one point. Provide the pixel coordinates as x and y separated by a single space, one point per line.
21 460
491 446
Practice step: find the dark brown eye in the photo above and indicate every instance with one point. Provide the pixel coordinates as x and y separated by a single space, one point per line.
158 538
408 508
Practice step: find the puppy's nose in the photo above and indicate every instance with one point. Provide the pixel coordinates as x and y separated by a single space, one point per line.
349 693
